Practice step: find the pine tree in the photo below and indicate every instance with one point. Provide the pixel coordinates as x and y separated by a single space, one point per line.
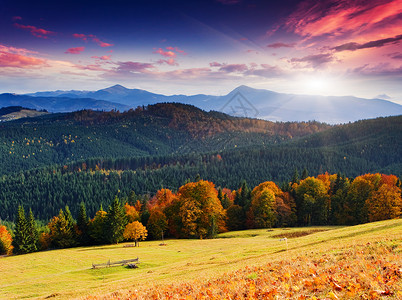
116 222
304 174
33 235
21 238
82 223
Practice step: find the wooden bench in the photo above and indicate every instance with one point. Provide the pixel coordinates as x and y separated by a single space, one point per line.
133 262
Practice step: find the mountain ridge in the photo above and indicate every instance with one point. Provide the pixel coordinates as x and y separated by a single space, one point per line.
249 102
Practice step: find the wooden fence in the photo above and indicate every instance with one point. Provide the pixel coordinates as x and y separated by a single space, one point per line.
117 263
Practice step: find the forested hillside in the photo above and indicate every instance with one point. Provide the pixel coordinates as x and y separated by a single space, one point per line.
159 129
353 149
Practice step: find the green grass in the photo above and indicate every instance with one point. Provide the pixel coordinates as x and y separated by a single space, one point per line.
67 273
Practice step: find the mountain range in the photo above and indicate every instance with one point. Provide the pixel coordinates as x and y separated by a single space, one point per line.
242 101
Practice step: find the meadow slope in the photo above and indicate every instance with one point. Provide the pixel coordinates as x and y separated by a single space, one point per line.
67 273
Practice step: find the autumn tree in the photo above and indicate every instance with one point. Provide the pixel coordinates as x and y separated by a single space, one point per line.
96 227
135 231
236 218
385 203
285 210
312 202
360 190
262 213
200 209
131 213
62 230
6 240
157 223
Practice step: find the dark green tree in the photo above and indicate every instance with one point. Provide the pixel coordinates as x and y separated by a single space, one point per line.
304 174
21 235
116 222
82 223
33 235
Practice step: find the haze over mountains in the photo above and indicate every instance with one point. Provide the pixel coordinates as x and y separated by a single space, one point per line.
242 101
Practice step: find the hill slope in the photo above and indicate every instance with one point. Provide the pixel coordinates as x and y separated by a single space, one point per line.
156 130
233 260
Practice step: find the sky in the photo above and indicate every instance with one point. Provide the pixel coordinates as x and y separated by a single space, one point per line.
330 47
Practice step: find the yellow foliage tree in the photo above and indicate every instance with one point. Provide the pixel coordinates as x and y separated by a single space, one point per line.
135 231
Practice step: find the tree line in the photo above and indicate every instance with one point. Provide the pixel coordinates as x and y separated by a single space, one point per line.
200 210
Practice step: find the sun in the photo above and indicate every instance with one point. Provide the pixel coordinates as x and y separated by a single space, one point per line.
316 85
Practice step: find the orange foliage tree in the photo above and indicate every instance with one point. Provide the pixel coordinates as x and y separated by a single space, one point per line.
5 241
385 203
135 231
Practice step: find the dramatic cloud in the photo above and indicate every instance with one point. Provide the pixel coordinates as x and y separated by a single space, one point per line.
232 68
372 44
38 32
94 38
280 45
338 17
76 50
170 62
19 61
314 60
165 53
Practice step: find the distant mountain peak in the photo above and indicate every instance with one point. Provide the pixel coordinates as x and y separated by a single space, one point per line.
115 88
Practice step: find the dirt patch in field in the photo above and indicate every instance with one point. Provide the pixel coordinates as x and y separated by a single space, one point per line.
296 234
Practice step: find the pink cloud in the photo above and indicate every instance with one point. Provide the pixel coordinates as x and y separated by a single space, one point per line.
100 43
280 45
170 62
337 19
94 38
76 50
215 64
104 57
165 53
19 61
38 32
21 51
176 49
17 18
80 36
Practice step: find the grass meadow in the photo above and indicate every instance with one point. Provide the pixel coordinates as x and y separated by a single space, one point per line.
67 273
